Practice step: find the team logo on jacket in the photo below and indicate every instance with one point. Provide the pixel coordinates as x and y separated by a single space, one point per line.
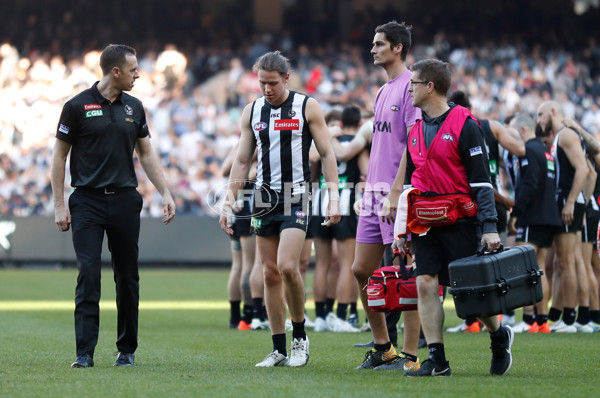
414 141
88 107
448 137
394 108
260 126
287 124
291 113
475 151
128 110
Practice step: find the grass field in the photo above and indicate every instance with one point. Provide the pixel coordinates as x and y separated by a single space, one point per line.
186 350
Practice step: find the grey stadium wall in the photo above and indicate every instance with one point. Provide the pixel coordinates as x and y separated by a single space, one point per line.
187 241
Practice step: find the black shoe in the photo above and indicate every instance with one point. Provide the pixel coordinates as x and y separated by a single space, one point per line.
83 361
401 362
431 368
375 358
124 359
501 353
365 345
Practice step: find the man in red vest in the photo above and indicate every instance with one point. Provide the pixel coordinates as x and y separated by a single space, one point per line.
446 154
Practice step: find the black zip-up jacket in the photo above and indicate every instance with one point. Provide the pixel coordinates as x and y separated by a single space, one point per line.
535 193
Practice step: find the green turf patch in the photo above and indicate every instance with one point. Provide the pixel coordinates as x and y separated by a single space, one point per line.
186 350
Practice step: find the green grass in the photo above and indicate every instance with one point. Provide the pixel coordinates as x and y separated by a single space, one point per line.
190 352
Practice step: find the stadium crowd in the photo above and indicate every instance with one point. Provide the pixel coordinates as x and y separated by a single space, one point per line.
194 102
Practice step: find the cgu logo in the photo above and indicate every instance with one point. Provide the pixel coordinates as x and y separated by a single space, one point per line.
287 124
93 113
260 126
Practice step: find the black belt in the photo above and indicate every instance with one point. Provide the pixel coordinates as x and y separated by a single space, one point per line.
107 190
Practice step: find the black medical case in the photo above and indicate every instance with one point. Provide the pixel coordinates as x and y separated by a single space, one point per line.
488 284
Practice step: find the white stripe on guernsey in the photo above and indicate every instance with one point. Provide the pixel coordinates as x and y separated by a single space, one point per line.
481 185
297 163
275 151
256 117
316 202
555 156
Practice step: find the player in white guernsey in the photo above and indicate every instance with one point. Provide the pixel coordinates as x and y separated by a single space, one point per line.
282 125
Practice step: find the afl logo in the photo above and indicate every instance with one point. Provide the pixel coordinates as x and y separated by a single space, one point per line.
260 126
394 108
447 137
300 214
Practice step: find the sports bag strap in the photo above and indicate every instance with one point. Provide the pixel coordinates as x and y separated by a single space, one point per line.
403 271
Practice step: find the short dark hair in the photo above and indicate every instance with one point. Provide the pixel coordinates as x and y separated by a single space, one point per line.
351 116
460 98
272 62
334 115
509 119
435 71
114 55
397 33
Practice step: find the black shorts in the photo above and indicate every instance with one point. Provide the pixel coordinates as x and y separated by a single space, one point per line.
309 232
442 245
345 229
590 228
274 211
539 235
313 225
578 214
241 221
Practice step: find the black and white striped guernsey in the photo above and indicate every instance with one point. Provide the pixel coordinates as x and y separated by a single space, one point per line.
565 172
283 140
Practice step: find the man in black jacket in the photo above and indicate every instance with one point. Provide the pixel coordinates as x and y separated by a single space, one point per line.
535 215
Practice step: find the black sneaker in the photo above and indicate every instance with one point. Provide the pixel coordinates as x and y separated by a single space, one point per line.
375 358
124 359
431 368
501 353
401 362
83 361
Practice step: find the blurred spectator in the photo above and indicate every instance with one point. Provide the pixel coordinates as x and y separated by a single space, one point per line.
195 93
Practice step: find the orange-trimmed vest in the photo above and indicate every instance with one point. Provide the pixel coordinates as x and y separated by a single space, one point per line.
439 168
